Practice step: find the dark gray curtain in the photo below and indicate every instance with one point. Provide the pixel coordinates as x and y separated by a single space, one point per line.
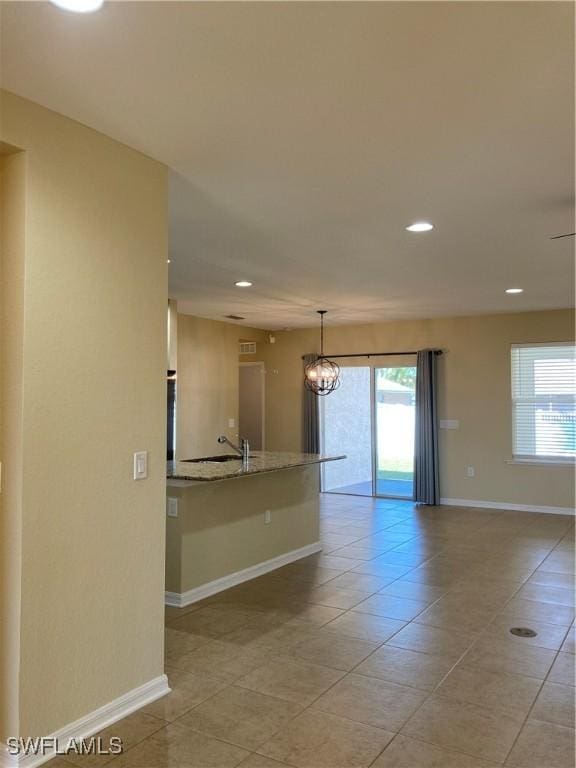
310 425
426 476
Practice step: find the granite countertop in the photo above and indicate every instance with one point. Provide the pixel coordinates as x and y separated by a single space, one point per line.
260 461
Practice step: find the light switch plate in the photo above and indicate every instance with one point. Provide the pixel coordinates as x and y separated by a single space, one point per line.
231 423
449 424
140 465
172 507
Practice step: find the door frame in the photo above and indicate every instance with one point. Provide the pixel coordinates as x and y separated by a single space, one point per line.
259 364
373 431
375 439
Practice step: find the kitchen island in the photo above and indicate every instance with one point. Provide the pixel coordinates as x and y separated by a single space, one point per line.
230 521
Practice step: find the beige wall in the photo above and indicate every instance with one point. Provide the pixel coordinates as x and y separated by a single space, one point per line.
221 529
94 360
172 335
12 245
474 388
207 383
252 401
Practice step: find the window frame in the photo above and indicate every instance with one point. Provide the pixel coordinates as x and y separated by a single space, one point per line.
541 459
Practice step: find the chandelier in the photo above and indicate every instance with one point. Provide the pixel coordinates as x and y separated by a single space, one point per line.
322 376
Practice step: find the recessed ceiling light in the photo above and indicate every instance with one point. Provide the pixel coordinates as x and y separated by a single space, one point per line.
514 290
420 226
168 261
243 284
79 6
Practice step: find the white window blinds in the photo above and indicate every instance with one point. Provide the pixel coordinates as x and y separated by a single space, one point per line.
544 401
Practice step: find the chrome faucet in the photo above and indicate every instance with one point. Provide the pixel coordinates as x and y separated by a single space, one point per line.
243 449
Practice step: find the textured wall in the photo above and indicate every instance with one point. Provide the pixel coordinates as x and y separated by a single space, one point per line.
207 385
12 245
94 366
474 378
220 527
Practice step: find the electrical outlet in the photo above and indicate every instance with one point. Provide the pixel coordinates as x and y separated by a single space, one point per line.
449 424
471 472
171 507
267 516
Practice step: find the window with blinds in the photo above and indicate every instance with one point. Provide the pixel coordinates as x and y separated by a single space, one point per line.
544 401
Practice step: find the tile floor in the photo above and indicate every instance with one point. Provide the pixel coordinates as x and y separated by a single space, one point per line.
389 649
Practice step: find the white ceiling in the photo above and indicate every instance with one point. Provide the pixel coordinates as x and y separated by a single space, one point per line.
303 137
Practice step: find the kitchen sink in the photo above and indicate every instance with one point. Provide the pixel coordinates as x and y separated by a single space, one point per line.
217 459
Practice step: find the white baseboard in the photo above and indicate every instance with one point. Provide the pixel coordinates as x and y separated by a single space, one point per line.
181 599
92 723
508 505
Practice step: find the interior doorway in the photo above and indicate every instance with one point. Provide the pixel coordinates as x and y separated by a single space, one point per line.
371 419
252 405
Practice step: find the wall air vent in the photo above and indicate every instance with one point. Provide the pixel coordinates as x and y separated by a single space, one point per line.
247 347
234 317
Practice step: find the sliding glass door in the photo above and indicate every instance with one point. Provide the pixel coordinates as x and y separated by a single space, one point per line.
370 418
394 438
346 428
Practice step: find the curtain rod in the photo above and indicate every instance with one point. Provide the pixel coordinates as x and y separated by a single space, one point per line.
378 354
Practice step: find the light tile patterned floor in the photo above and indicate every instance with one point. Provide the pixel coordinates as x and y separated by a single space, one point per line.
390 649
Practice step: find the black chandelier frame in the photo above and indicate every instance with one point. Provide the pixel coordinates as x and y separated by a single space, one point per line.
323 385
